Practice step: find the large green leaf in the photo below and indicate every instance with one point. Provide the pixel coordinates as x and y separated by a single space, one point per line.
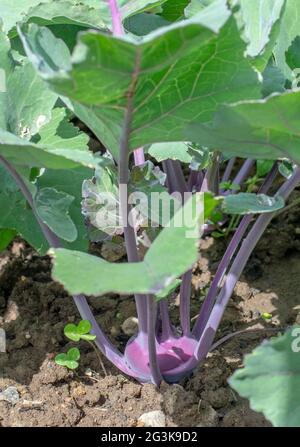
195 6
17 215
172 151
247 203
69 182
68 12
25 107
172 253
258 18
289 30
6 236
26 101
25 153
266 129
52 207
271 379
93 13
144 23
173 10
176 75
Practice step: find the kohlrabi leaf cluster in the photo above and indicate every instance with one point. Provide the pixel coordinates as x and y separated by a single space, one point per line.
195 109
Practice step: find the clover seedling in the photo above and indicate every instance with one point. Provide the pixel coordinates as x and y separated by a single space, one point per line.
82 332
79 332
69 360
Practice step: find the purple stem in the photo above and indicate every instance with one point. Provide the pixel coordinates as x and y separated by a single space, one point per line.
231 249
228 170
177 183
129 232
118 29
166 328
139 156
192 180
153 360
236 269
102 341
242 174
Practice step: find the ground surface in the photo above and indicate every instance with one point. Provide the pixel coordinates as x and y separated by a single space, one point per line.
34 310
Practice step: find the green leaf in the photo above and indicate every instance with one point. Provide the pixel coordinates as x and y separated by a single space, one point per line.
144 23
27 102
286 168
69 12
84 327
247 203
266 129
6 236
71 332
70 182
60 133
73 354
273 80
168 290
173 10
196 6
17 215
79 332
52 207
172 151
24 153
270 379
170 59
289 30
25 107
172 253
263 167
293 54
69 360
88 337
259 17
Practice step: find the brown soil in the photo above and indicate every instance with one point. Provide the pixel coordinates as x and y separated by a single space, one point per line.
34 310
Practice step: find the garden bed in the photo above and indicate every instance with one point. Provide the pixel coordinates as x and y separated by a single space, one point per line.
34 310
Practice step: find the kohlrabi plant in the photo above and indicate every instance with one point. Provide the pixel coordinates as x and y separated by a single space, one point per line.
196 107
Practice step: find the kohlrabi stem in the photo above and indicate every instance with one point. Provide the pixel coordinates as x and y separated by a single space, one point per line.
242 174
166 328
224 264
118 31
153 360
116 18
177 183
139 156
192 180
80 301
228 170
185 302
236 269
129 232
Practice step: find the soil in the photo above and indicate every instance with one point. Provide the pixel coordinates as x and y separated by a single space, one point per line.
34 311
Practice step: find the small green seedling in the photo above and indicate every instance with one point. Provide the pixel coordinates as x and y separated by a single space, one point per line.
69 360
229 186
74 332
79 332
266 316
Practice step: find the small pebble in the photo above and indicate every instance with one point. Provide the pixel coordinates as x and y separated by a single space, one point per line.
10 395
130 326
153 419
